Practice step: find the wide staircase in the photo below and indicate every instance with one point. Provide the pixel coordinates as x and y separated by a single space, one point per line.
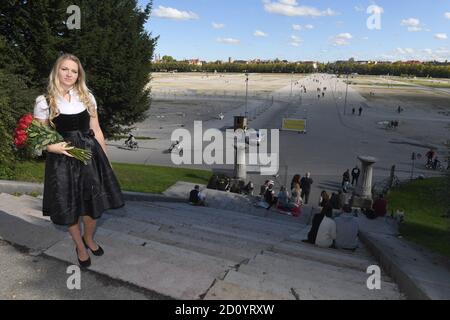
188 252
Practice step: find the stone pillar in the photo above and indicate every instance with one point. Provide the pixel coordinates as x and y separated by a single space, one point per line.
364 187
240 167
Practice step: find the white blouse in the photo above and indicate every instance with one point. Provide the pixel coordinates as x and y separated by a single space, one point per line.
42 110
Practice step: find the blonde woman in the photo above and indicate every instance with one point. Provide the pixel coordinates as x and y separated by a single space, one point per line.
75 193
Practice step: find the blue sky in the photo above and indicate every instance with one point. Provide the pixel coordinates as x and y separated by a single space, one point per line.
320 30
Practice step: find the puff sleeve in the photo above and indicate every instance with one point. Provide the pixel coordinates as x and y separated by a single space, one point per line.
41 108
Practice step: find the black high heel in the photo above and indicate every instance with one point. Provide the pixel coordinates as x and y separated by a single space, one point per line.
99 252
83 264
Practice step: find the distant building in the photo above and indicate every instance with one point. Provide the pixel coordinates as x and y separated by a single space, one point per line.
157 58
195 62
413 62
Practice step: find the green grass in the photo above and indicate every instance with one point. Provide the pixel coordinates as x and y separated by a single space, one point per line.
424 203
429 84
132 177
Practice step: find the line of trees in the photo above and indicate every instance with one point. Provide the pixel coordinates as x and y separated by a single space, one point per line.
396 69
114 48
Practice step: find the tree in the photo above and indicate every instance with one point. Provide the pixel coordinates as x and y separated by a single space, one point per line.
112 45
168 59
15 100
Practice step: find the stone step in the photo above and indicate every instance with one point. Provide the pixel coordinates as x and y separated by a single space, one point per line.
172 273
230 202
154 214
24 207
318 275
31 236
332 257
287 262
302 287
191 241
260 218
272 288
178 252
222 290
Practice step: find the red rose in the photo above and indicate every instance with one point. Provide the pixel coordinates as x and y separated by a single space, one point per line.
28 119
22 126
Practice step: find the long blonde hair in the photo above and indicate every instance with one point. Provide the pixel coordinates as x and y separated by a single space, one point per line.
54 87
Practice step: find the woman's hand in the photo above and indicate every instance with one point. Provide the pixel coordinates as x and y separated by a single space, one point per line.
60 148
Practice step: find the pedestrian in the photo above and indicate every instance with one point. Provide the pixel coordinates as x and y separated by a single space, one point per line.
353 111
360 110
305 185
355 175
345 177
75 193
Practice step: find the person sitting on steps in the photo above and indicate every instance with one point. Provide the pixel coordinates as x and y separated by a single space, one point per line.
197 198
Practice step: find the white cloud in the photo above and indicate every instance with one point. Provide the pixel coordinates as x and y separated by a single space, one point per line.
365 38
291 8
297 27
342 39
289 2
228 40
295 41
218 25
440 54
175 14
413 24
359 8
414 29
447 15
259 33
441 36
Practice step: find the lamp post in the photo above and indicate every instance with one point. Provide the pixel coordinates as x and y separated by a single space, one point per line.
346 91
246 93
292 81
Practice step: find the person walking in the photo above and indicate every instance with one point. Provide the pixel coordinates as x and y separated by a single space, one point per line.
75 194
345 180
305 185
355 175
360 110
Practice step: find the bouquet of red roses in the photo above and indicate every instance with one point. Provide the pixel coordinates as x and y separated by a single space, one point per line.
32 133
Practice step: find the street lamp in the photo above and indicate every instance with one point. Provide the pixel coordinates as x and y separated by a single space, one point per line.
346 91
246 93
292 80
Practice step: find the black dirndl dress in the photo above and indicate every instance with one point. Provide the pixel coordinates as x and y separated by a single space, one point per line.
73 189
